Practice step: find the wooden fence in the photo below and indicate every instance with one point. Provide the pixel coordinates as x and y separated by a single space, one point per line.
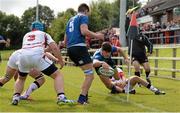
174 69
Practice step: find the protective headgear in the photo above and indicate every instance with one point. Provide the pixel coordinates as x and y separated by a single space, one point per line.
37 26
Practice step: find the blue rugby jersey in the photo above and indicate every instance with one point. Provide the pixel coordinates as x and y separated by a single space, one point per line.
73 32
97 55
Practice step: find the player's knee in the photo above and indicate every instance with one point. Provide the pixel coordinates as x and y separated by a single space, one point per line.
40 79
148 71
6 78
22 77
135 78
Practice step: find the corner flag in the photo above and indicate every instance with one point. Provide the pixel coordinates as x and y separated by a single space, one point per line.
133 28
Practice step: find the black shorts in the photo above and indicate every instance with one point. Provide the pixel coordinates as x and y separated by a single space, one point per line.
48 71
79 55
141 58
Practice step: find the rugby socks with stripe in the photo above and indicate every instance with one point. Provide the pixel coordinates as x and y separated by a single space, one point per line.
152 88
35 85
61 96
147 74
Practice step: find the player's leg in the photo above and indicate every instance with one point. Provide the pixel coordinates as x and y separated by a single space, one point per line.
134 80
24 67
54 73
39 81
89 76
108 83
137 68
83 59
146 67
10 72
18 88
136 65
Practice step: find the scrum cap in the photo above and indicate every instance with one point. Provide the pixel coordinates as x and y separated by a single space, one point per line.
37 26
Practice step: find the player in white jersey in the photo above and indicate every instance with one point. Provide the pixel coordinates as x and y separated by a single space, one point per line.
32 56
12 71
123 83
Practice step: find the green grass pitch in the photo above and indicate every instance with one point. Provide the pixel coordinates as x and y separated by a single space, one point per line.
44 99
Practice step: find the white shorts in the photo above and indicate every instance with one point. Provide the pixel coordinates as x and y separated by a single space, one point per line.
13 60
29 61
125 87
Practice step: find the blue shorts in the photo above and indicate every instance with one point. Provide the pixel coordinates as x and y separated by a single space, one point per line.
79 55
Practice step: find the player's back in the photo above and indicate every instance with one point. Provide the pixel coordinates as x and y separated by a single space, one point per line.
73 31
34 41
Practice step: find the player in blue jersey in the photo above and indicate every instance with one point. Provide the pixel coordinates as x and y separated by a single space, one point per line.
102 58
76 32
118 82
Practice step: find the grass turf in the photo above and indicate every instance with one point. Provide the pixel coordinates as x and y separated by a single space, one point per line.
44 99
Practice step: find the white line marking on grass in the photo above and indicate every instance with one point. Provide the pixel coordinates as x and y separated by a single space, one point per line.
121 99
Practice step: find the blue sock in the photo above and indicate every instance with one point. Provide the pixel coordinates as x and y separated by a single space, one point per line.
82 99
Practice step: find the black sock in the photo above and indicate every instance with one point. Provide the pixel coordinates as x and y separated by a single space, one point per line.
82 99
60 94
147 74
37 84
1 84
17 94
137 73
86 97
114 90
148 86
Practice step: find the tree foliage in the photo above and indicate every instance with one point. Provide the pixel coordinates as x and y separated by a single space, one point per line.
10 27
46 15
103 15
57 28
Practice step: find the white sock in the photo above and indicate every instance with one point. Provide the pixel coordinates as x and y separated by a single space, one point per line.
31 88
152 88
61 96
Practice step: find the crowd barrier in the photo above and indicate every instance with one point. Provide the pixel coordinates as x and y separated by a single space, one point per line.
171 36
174 59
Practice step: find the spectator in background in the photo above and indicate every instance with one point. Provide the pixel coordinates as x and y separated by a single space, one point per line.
3 43
158 26
115 42
163 26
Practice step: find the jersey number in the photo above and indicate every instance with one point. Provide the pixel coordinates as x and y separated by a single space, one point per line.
31 38
71 26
